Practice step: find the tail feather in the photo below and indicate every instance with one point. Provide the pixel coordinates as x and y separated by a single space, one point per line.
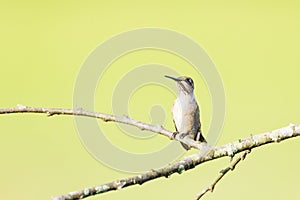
185 146
199 137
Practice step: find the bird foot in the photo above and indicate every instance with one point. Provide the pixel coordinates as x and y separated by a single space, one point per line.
183 135
174 135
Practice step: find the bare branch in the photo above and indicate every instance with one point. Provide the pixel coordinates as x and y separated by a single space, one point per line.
222 174
206 154
178 167
105 117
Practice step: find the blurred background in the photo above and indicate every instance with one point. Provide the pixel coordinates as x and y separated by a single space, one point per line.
254 44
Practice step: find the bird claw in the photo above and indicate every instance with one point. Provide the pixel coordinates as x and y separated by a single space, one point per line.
183 135
174 135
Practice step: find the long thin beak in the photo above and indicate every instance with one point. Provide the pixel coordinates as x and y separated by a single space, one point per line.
170 77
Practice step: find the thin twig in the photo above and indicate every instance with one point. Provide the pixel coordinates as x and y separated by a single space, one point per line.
177 167
222 174
190 162
105 117
207 153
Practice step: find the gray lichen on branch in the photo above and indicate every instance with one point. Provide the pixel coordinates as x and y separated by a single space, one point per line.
223 172
105 117
206 153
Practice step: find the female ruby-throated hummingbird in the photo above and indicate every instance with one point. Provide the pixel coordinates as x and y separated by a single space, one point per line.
186 116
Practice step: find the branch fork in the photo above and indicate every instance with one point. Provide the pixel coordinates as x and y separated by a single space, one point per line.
206 152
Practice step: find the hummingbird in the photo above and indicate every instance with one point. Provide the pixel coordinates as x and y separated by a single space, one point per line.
186 113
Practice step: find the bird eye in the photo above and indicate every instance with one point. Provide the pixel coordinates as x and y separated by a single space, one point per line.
190 81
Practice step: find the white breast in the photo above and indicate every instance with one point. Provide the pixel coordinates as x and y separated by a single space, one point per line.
177 115
183 112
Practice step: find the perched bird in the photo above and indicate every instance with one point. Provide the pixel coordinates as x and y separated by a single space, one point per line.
186 114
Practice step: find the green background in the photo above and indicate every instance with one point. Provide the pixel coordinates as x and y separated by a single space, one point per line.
255 45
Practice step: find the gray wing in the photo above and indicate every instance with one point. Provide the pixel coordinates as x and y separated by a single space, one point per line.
198 136
175 125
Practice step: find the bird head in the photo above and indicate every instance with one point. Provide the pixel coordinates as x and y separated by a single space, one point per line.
184 84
